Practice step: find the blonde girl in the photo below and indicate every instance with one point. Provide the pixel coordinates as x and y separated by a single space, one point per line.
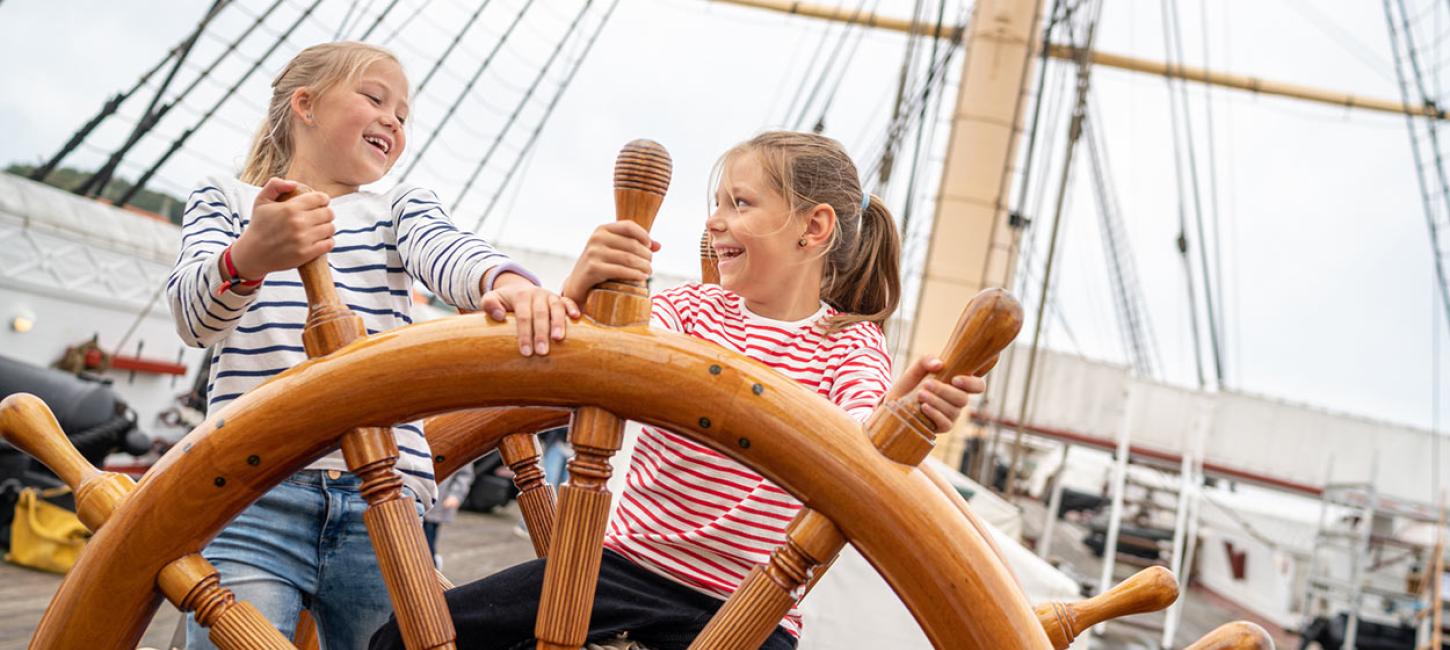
335 122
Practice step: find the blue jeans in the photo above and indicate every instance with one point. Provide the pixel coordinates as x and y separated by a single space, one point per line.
304 544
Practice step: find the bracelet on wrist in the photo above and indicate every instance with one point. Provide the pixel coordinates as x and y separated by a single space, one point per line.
230 277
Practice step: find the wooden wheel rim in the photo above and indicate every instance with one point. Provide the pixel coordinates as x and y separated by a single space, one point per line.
939 565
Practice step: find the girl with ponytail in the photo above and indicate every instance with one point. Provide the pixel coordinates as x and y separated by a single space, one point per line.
808 275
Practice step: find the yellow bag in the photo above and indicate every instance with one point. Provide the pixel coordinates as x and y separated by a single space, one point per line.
43 535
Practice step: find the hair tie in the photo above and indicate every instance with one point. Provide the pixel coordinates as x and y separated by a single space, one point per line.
865 201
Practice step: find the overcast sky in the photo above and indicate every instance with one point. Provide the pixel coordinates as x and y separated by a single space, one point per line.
1327 273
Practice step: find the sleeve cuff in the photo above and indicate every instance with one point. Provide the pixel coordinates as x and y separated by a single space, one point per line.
507 267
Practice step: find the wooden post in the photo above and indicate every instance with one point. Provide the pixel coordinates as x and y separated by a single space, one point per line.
371 453
641 177
709 261
536 497
193 585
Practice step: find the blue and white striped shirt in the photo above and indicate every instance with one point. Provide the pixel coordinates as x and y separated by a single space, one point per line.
383 242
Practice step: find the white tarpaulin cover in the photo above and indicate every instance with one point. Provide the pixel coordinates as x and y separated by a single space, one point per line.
1259 435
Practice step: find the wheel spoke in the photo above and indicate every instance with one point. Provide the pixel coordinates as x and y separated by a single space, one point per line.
520 451
641 176
770 590
193 585
371 453
1148 590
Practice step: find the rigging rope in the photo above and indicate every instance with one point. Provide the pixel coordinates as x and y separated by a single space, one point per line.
1079 114
921 125
467 88
908 64
549 110
1178 102
811 65
1133 326
830 62
185 135
384 14
997 390
96 183
820 125
1214 212
205 74
449 50
109 108
543 70
1432 216
357 20
402 25
342 27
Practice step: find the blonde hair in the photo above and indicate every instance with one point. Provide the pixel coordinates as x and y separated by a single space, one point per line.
861 278
317 68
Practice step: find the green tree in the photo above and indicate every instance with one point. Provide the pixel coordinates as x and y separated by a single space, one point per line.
69 178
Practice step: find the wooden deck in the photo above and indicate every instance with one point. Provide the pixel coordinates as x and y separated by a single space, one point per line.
473 546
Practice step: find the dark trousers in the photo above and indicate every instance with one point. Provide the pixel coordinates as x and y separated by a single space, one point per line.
498 612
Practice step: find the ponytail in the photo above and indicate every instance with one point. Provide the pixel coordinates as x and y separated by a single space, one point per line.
271 150
861 276
865 285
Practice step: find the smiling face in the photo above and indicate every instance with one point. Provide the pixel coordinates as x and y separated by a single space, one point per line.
756 235
352 133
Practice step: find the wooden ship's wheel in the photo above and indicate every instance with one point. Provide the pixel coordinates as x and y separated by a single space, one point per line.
865 489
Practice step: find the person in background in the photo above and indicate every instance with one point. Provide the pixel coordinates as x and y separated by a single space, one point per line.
451 493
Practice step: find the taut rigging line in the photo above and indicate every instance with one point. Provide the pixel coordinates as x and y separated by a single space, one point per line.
1173 46
108 109
820 125
379 20
115 102
508 124
908 65
96 183
985 462
1431 220
826 69
1075 127
449 50
921 124
231 90
467 88
206 72
548 110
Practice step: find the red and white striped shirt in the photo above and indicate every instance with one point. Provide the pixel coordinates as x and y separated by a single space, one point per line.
697 517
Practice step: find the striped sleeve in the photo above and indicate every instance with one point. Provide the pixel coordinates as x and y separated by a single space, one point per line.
863 375
452 263
673 309
209 225
665 312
